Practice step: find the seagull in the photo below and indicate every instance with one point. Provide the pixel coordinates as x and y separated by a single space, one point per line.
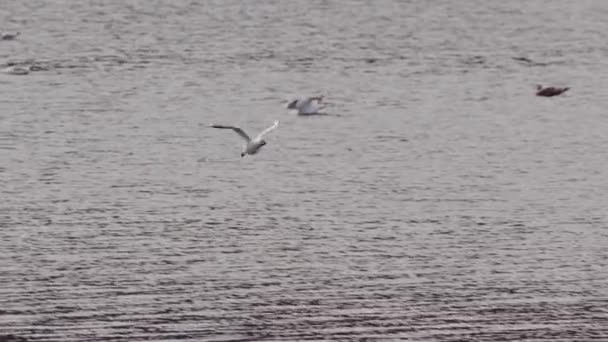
549 91
9 35
307 105
253 145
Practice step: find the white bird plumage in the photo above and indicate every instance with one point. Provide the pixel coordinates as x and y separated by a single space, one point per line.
252 146
307 105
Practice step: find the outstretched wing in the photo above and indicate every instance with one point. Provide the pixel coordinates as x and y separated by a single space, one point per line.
275 125
236 129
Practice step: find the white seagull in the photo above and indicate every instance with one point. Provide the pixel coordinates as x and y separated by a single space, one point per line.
253 145
307 105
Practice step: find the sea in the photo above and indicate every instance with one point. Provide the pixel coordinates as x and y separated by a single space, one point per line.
435 198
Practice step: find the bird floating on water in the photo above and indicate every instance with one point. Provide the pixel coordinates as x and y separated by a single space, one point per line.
252 146
307 105
549 91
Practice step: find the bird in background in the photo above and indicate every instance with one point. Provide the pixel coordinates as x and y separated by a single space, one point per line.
307 105
252 146
549 91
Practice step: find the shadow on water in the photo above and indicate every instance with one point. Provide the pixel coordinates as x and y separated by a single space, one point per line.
319 114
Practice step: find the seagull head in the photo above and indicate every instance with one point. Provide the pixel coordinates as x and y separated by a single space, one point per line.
539 87
292 104
262 143
243 154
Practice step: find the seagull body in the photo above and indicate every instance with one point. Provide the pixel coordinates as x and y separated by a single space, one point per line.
549 91
307 105
252 146
8 35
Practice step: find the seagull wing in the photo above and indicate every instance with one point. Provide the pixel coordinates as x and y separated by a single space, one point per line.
236 129
267 130
305 102
311 105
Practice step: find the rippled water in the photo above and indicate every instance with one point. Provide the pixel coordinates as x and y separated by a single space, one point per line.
439 199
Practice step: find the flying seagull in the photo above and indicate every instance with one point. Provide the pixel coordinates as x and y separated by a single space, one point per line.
307 105
253 145
549 91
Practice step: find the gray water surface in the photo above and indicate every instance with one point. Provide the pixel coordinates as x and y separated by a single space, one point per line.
438 199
